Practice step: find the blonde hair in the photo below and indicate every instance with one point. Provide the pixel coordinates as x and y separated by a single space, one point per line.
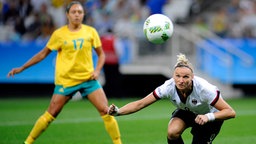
182 61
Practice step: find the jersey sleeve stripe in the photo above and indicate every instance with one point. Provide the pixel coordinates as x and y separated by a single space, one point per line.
216 98
155 95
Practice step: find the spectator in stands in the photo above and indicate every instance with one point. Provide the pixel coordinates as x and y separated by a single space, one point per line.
234 15
122 9
33 25
57 11
200 25
25 8
220 23
37 4
1 11
233 8
141 11
12 21
102 20
74 43
46 29
19 26
248 21
11 13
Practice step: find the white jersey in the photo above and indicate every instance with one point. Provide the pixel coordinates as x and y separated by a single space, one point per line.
201 100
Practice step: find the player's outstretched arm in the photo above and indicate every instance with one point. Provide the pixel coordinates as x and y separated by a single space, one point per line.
35 59
132 107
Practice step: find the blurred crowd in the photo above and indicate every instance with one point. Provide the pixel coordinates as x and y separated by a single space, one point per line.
242 19
36 19
29 19
236 19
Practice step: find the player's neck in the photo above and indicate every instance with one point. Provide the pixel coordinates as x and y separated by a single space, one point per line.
74 28
186 92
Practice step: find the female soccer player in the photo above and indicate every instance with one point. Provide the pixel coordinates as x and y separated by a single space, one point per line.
74 72
199 105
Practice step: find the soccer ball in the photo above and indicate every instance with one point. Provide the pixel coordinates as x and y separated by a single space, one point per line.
158 28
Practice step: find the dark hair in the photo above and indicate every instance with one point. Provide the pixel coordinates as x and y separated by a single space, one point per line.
70 5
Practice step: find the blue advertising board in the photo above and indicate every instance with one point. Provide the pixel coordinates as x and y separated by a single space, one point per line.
16 54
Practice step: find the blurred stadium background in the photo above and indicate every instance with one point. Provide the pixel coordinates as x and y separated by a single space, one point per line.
217 36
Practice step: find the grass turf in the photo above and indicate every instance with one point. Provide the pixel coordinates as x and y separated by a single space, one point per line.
79 122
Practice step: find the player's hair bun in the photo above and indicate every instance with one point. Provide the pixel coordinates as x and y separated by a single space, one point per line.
182 61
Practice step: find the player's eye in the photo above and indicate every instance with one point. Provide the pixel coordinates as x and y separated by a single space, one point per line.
186 77
73 12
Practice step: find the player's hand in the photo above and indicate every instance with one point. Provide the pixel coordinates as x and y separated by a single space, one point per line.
201 119
15 71
95 75
113 110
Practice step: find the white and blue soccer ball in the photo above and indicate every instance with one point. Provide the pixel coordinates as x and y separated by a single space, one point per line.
158 28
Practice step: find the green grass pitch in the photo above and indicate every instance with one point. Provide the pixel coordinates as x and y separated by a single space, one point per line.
79 122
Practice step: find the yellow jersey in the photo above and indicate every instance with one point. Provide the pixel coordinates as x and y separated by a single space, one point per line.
74 63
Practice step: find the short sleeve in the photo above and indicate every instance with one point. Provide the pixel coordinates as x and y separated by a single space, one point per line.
54 42
96 39
165 90
211 94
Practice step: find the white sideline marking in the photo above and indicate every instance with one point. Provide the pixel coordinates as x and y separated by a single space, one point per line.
98 119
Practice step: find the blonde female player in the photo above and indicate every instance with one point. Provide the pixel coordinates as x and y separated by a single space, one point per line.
74 71
199 105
